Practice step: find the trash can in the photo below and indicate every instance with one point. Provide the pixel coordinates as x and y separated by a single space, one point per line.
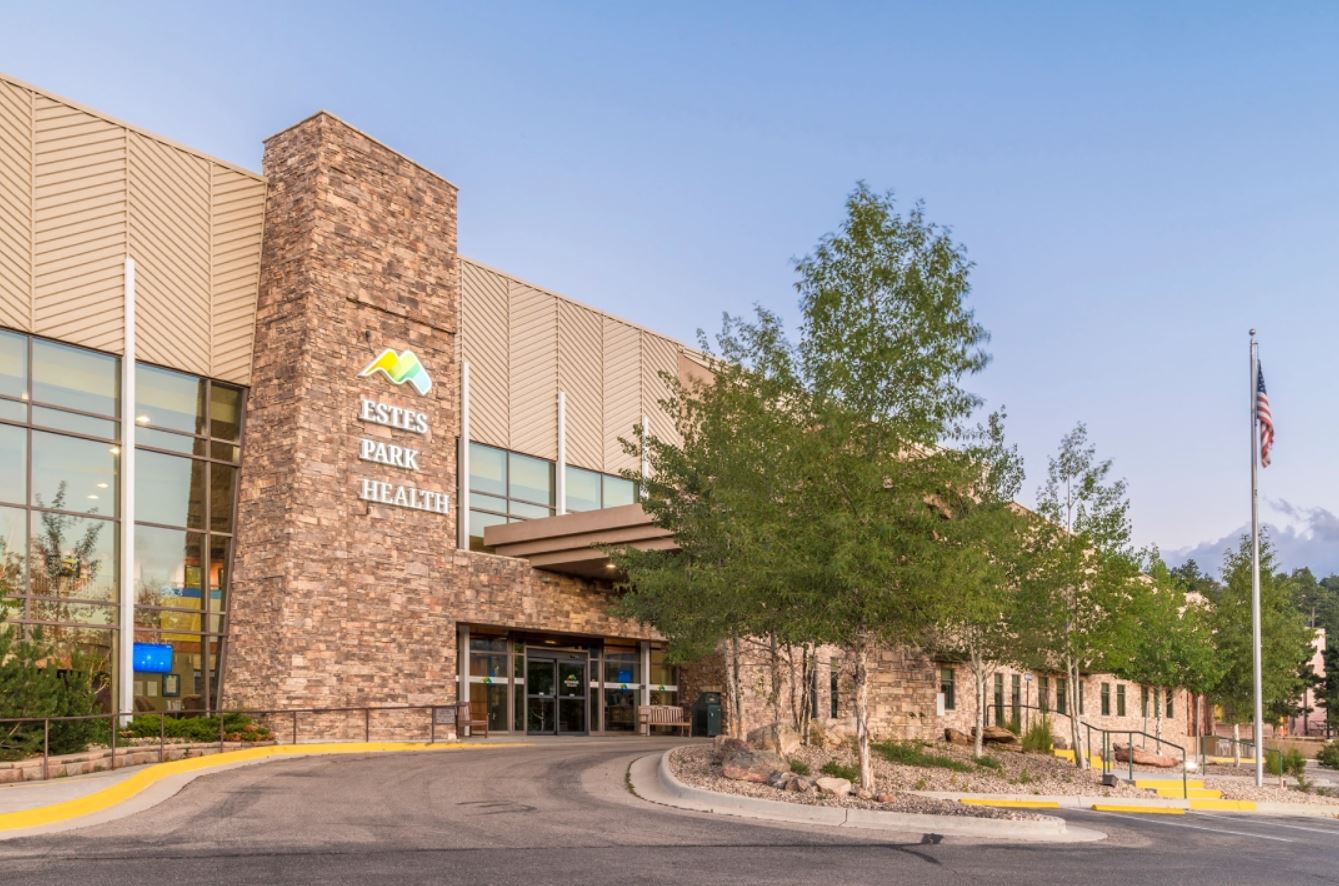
707 714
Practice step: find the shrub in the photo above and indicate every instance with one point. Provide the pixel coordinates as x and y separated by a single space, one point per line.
912 754
1039 739
989 763
1013 725
837 770
1328 755
799 767
33 685
235 727
1290 762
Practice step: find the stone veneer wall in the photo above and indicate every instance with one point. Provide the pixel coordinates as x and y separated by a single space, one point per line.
338 602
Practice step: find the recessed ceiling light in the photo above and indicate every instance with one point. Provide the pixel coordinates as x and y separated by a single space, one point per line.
142 419
610 566
114 450
102 485
92 497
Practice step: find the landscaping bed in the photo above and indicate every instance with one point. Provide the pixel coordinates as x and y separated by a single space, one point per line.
699 766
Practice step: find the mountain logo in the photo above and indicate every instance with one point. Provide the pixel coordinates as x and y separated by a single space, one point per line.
400 368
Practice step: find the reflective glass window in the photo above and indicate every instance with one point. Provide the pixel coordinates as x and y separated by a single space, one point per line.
530 512
13 553
618 491
13 365
66 611
530 479
169 489
225 451
621 666
72 556
225 412
168 399
222 486
167 568
488 502
165 440
662 673
488 469
13 464
75 423
75 378
13 410
479 521
583 489
74 475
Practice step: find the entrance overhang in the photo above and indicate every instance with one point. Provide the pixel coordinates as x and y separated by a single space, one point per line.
571 544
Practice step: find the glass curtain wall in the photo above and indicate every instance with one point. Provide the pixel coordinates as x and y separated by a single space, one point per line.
60 515
509 486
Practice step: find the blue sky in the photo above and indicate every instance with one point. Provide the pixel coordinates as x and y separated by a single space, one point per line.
1138 185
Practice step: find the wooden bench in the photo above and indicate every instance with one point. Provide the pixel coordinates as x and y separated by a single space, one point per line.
464 717
649 715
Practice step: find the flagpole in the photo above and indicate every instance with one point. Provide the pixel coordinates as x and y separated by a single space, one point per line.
1259 724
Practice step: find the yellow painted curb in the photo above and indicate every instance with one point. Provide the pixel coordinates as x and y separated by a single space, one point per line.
1228 761
124 790
1011 804
1168 783
1148 810
1192 794
1224 805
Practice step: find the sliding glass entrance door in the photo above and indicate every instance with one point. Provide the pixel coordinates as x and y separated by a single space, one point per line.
556 692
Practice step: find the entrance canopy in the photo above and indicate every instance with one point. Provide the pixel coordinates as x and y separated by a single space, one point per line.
571 543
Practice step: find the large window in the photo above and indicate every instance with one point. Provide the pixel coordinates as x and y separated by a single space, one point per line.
60 511
947 688
508 486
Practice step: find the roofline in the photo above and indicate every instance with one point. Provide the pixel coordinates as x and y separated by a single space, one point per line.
14 81
544 289
372 138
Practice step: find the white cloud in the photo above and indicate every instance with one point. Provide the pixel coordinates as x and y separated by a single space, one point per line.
1304 537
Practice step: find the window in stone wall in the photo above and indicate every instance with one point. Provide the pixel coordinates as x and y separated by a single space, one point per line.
1106 699
1061 696
999 699
1016 698
834 678
1044 693
1120 699
1143 701
1079 692
946 688
1170 710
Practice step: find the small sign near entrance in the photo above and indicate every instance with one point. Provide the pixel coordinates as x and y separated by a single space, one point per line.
444 716
571 681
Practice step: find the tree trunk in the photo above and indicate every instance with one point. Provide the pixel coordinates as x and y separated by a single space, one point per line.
861 657
979 675
1236 744
733 678
1074 691
808 676
774 689
1157 715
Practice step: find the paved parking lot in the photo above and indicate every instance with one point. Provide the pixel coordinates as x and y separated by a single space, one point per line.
560 812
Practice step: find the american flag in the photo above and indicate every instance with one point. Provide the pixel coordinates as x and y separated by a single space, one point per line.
1263 417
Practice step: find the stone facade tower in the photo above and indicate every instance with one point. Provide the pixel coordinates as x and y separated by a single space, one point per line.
334 599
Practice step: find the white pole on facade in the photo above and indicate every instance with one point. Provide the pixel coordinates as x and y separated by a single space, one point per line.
644 691
646 460
125 671
1259 722
463 668
463 462
562 453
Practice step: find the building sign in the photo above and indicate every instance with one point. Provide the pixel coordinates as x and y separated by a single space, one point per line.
401 368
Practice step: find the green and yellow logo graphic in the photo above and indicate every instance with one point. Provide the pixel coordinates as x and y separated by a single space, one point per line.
400 368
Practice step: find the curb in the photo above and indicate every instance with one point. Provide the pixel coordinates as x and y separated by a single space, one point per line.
653 781
1151 805
176 774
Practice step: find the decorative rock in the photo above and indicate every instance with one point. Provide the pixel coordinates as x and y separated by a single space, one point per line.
781 780
1060 741
1143 757
775 737
800 785
954 736
864 794
837 787
751 765
722 743
884 798
833 733
997 735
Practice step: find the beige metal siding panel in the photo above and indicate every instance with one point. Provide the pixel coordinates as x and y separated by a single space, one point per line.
169 195
581 376
533 329
237 212
79 225
659 355
622 392
485 344
16 191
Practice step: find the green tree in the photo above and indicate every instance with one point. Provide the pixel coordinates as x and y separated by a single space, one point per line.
1082 584
979 629
1190 579
1285 639
1174 645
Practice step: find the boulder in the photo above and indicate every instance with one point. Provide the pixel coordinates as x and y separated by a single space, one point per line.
781 780
775 737
722 743
837 787
748 764
1143 757
884 798
800 785
997 735
833 732
955 736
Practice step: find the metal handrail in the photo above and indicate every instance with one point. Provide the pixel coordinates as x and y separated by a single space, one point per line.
163 716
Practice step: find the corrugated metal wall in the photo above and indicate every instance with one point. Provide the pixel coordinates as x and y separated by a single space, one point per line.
524 345
80 192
